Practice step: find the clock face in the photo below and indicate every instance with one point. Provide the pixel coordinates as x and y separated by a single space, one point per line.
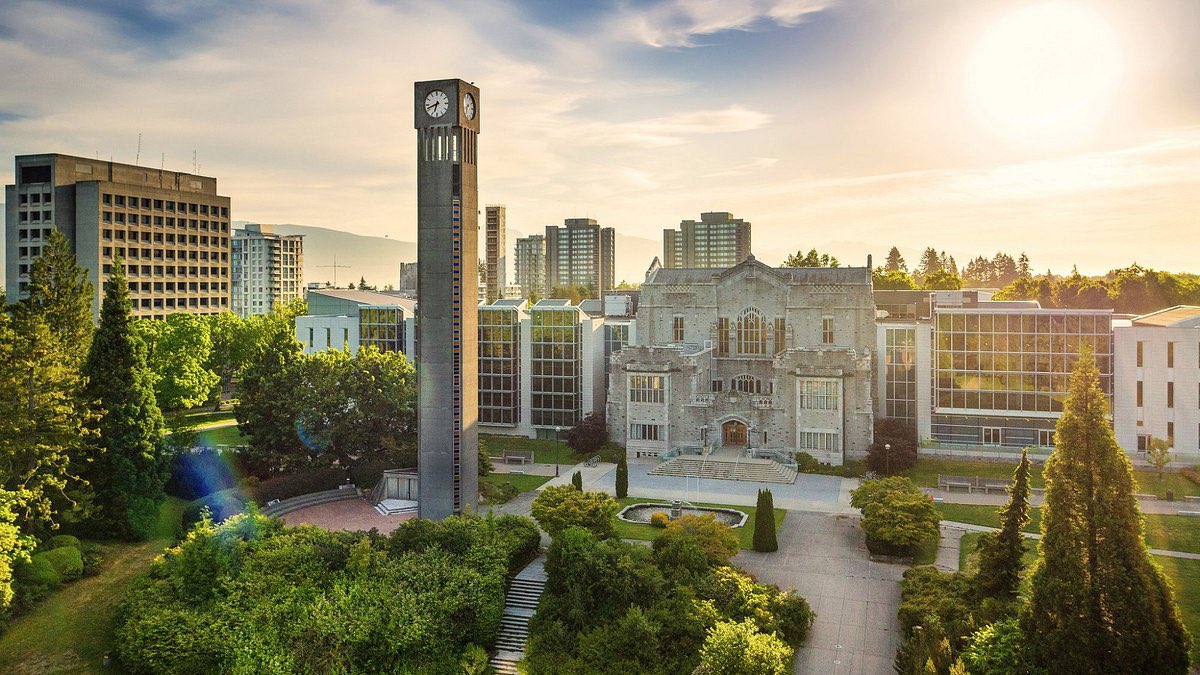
469 106
436 103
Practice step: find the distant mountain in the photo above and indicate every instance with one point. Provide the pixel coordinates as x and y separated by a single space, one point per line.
377 259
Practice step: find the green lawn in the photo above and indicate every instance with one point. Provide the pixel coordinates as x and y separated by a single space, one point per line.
1163 531
223 436
198 418
523 482
925 473
646 532
544 451
72 629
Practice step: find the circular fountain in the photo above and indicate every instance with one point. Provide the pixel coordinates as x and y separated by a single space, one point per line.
641 513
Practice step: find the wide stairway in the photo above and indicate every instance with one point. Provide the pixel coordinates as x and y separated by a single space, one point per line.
727 468
520 603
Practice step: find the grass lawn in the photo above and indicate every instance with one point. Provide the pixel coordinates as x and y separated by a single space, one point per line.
523 482
647 532
72 629
925 473
544 451
223 436
1164 531
198 418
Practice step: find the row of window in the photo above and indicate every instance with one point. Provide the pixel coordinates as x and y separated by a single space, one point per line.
109 218
179 303
170 271
173 287
1170 393
749 334
819 441
647 388
1143 440
169 206
34 198
646 432
1141 349
818 394
163 254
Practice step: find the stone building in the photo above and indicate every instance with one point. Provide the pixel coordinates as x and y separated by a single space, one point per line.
750 359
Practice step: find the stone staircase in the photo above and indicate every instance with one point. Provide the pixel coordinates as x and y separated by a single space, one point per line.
391 507
520 603
727 468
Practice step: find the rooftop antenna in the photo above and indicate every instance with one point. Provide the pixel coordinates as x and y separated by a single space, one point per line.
195 164
335 267
163 164
138 157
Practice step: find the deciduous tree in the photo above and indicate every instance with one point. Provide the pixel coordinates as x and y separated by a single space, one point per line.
557 508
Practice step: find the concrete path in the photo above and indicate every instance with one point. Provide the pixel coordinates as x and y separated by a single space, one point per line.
1160 506
969 527
949 548
823 558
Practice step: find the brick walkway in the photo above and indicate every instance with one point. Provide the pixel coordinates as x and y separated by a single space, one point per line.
350 514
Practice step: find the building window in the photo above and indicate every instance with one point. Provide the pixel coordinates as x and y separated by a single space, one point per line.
646 388
722 336
817 394
1170 394
780 334
1171 434
1170 354
820 441
752 333
1143 442
1139 393
827 330
716 385
677 329
645 432
1046 438
993 435
747 384
1140 353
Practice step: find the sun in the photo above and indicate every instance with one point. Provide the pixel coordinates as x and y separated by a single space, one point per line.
1045 74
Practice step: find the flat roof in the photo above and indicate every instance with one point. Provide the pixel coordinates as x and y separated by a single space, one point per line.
1180 316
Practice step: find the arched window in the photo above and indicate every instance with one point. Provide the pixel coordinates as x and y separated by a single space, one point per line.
751 332
747 384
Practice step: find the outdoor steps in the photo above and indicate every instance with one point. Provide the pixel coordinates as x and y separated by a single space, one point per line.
724 468
520 603
391 507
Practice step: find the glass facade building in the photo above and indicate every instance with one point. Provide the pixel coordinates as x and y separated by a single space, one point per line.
555 362
499 365
382 328
900 373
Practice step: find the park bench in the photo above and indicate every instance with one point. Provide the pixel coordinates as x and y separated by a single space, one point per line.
1189 513
972 483
989 484
947 483
517 457
1143 495
1195 499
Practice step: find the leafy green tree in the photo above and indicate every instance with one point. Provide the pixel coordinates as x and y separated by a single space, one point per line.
764 523
895 262
1098 603
589 435
898 280
1158 453
811 259
740 649
999 573
941 280
266 405
557 508
128 475
233 343
485 460
894 448
179 350
622 479
61 295
575 294
896 513
999 649
715 539
14 546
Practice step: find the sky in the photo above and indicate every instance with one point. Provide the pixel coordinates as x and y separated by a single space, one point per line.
1066 129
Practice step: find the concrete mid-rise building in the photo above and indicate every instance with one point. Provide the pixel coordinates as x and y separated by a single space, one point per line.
266 269
717 240
1157 388
495 216
530 254
580 253
170 230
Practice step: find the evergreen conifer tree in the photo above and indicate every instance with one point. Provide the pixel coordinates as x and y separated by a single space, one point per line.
764 523
61 296
895 261
128 474
1000 553
622 478
577 480
1098 602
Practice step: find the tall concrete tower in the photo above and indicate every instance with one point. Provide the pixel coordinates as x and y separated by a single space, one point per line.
446 116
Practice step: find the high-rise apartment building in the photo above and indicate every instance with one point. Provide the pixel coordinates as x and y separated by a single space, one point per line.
580 253
266 269
171 230
531 265
497 262
716 240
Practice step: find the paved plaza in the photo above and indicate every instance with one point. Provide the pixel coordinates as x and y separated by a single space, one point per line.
823 558
348 514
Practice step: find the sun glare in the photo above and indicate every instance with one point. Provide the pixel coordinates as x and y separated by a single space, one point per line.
1045 73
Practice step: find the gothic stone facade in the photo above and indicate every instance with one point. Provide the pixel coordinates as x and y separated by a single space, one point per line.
748 358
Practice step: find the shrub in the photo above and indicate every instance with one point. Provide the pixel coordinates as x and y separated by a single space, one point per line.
61 540
67 561
497 493
587 437
299 483
220 506
894 449
896 515
806 463
577 480
563 506
1191 473
795 617
999 649
622 478
716 539
740 649
611 452
37 571
93 559
660 519
764 523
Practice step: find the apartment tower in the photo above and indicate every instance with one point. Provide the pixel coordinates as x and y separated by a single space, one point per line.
267 269
531 265
580 253
717 240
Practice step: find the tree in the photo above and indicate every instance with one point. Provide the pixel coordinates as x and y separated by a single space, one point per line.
898 280
1158 453
1024 271
60 293
557 508
894 449
577 480
575 294
895 262
999 573
896 514
233 342
129 473
941 280
1098 603
589 435
764 523
930 263
485 460
733 648
178 349
14 546
622 480
811 259
265 411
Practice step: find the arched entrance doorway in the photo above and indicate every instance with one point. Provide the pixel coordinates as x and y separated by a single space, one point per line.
733 432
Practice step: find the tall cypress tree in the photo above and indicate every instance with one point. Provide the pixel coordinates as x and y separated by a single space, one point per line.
764 523
622 480
1000 554
129 473
1098 602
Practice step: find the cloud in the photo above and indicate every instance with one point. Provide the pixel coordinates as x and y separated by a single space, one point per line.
745 168
676 23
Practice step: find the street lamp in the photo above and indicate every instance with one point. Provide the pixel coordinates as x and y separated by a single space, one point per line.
887 457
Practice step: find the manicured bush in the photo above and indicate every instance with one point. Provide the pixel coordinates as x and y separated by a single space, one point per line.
764 523
897 516
622 478
716 539
806 463
999 649
37 571
67 561
660 519
740 649
560 507
577 480
61 540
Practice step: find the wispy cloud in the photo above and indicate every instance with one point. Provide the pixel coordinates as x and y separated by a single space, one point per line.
677 23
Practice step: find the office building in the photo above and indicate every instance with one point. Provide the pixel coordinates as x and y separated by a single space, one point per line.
717 240
1157 391
497 261
580 253
266 269
750 359
345 318
408 279
530 253
170 229
446 116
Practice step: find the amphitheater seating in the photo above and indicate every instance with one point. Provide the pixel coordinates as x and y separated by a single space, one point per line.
286 506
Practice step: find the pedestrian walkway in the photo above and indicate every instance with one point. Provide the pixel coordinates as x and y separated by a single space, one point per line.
520 603
949 548
970 527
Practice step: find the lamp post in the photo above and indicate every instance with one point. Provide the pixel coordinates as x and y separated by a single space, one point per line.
887 457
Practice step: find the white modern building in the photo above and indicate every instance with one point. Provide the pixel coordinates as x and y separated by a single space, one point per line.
1157 390
266 269
341 318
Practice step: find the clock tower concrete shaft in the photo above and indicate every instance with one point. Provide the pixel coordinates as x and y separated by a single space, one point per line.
446 116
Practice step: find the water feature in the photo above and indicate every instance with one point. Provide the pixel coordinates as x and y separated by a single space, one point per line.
641 513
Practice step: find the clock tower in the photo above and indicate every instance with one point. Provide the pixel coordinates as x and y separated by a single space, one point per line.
446 116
